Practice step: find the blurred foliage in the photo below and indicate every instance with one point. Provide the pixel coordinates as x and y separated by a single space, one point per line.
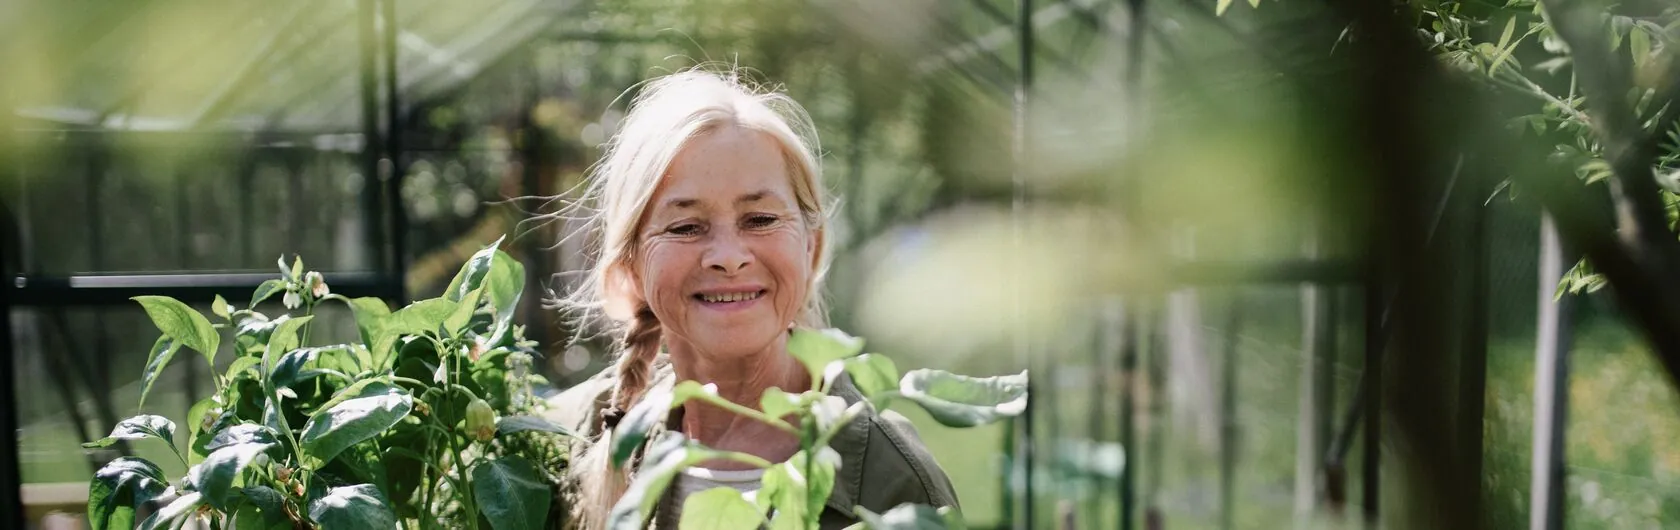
1231 149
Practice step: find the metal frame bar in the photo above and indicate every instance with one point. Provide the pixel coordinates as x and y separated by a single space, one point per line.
397 266
110 290
1551 386
1018 204
11 478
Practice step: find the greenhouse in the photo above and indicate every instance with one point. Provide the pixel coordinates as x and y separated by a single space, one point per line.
1115 263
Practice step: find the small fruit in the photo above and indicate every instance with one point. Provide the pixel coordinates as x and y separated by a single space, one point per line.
481 420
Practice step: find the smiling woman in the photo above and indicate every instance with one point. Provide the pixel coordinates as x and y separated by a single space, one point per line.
710 209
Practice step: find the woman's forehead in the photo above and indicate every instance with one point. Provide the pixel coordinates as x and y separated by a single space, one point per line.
728 167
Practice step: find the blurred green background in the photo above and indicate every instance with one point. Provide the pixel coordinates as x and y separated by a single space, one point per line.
181 136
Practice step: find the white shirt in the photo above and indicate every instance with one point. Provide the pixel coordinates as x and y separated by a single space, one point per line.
697 479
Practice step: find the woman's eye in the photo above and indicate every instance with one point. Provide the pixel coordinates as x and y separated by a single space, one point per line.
686 229
761 221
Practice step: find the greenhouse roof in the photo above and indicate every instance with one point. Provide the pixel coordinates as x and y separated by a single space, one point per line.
201 65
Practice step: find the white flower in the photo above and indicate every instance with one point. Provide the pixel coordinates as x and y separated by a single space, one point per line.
317 285
291 300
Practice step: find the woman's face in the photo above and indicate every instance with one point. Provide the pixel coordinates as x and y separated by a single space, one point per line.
724 254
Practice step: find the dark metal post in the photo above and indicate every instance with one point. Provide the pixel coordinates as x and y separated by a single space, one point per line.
368 46
1551 385
1371 394
1131 338
1472 373
393 167
1155 452
1098 415
1228 417
11 479
1023 340
183 260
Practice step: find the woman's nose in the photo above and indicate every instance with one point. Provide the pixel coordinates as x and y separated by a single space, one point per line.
727 254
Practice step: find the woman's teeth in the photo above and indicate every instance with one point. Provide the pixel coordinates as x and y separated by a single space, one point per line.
729 297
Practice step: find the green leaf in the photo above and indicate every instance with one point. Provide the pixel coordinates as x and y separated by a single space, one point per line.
138 427
691 389
119 487
720 508
370 315
423 316
165 516
462 313
1254 3
472 273
297 268
266 509
199 428
349 422
912 517
1640 44
162 352
513 424
290 369
220 307
351 507
1219 9
640 420
1505 47
815 349
873 374
240 365
511 494
215 475
775 403
504 285
183 324
253 330
962 401
420 317
794 499
665 458
265 290
283 340
244 433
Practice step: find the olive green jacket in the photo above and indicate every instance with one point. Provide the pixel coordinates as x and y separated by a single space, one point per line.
883 462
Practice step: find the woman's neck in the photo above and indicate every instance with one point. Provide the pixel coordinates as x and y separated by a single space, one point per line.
741 379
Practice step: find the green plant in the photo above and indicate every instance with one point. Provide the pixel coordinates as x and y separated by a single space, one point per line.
795 491
426 421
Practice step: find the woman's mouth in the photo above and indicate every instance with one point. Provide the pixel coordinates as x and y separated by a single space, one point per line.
735 297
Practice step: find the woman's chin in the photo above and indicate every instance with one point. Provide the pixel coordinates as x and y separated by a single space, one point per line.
725 344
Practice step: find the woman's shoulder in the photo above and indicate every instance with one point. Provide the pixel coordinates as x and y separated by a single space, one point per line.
576 407
896 449
890 464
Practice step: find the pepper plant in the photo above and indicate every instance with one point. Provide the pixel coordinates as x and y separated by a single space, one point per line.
427 420
794 492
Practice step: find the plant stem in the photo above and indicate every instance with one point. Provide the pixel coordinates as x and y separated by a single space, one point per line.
463 490
813 510
750 413
308 310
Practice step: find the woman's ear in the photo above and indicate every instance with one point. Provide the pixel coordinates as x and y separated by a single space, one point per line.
814 248
620 294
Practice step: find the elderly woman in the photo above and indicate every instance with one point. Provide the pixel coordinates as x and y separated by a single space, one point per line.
711 220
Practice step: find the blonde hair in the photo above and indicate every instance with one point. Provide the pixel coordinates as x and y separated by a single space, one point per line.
669 112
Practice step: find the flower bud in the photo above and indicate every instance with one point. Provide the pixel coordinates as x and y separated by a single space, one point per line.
481 420
317 285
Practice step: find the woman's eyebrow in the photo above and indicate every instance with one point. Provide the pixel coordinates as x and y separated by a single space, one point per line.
683 203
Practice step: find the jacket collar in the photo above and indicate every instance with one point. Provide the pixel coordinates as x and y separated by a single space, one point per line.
851 442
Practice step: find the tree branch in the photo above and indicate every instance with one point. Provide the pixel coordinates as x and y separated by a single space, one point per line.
1640 217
